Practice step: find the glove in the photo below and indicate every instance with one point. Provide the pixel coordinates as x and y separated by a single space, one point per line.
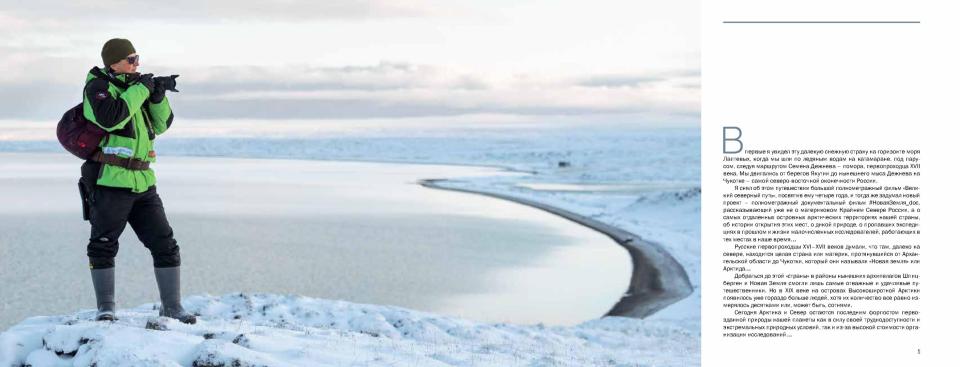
158 94
167 82
147 81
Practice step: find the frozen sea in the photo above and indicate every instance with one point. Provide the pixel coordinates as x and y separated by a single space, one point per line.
634 175
357 231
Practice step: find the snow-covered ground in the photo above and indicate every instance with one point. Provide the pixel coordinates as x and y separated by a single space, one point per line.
645 180
273 330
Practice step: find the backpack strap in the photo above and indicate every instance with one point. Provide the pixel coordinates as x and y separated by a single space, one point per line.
101 75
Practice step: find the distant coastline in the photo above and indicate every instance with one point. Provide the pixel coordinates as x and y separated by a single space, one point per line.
657 279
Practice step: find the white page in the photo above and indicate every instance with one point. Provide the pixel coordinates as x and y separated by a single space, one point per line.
841 86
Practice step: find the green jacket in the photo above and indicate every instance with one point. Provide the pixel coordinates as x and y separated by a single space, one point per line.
131 120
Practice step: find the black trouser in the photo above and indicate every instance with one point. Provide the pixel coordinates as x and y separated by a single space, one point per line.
110 211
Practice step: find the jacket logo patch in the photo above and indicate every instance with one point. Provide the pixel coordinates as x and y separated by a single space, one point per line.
101 95
118 151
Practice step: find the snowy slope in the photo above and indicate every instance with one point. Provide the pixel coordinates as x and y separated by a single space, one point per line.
273 330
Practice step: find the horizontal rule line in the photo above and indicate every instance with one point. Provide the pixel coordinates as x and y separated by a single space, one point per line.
822 21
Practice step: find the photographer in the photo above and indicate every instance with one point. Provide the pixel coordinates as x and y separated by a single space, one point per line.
120 186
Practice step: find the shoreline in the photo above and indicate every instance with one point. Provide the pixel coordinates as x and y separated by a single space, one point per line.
657 279
357 160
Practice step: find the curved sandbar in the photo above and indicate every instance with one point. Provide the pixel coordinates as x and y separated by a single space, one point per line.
337 230
658 280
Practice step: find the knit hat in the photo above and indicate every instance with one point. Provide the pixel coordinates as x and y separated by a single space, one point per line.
115 50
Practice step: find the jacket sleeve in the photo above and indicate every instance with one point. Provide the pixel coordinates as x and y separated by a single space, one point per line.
161 115
109 112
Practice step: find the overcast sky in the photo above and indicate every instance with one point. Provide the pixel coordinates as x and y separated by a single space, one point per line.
360 59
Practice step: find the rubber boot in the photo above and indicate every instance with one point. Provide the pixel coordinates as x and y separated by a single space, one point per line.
168 281
103 284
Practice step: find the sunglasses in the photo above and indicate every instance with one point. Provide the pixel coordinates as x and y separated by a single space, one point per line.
133 59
